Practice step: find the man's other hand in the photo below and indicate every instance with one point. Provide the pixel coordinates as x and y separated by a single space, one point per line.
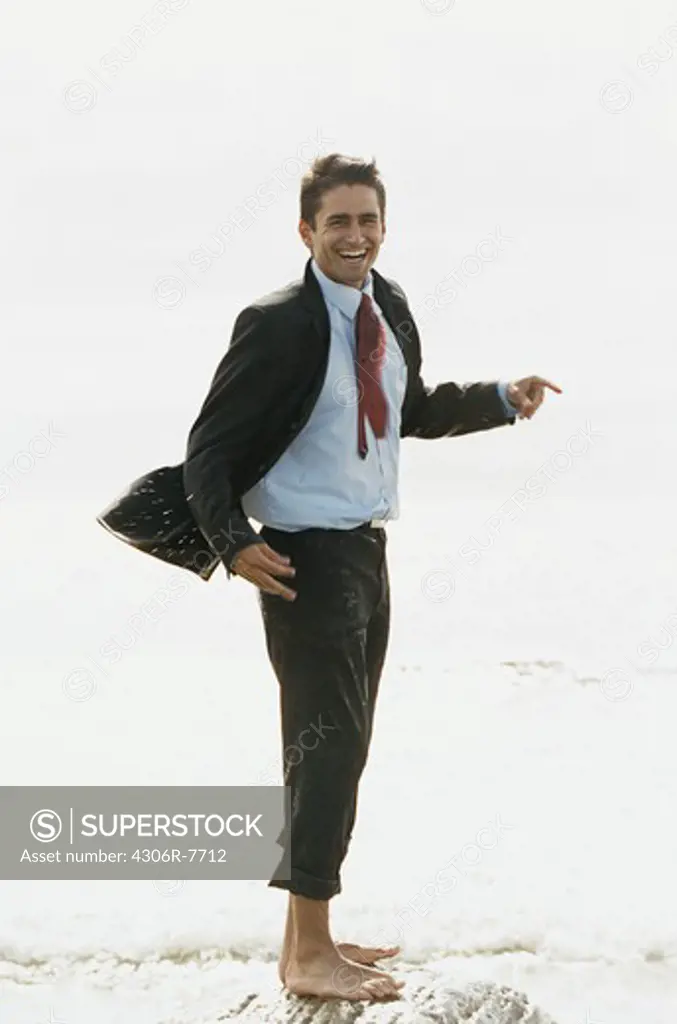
527 394
260 564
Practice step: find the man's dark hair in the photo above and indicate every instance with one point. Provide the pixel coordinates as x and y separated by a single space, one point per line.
328 172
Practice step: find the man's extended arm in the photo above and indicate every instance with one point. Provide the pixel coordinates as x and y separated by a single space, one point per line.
449 409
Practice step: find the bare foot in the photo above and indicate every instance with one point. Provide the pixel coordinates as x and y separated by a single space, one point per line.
329 975
364 955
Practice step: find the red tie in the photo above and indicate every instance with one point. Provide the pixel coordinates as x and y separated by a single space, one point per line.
371 347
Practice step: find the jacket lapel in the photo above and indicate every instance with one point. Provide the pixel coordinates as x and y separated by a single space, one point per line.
398 321
313 300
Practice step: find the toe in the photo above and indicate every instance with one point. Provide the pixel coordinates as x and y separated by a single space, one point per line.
376 988
390 988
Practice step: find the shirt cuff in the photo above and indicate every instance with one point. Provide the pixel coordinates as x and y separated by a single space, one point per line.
510 409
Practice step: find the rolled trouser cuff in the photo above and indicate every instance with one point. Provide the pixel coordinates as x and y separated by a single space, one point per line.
302 884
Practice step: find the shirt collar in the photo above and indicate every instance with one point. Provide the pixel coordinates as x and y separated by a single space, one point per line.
342 296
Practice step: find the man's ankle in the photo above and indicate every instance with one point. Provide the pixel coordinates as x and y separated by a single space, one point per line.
305 950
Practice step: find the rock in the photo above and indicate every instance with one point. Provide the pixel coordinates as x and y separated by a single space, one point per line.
425 999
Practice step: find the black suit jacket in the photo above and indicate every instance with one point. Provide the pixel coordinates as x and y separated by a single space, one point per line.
262 394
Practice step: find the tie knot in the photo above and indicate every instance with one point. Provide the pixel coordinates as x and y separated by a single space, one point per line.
367 306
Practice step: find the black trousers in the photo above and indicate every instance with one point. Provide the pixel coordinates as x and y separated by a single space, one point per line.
327 648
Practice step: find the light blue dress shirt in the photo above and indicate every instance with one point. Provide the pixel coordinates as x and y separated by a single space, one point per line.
320 480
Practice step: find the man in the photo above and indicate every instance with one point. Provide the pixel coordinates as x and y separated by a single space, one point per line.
300 431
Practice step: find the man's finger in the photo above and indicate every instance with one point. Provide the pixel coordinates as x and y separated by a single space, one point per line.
264 581
270 565
272 586
547 384
273 554
536 393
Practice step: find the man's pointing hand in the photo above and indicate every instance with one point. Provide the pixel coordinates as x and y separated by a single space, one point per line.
528 393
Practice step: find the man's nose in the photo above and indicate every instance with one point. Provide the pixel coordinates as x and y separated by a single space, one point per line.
355 235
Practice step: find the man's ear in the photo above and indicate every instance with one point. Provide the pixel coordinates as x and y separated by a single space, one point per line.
305 232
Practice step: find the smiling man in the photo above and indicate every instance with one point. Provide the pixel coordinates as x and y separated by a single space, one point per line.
300 431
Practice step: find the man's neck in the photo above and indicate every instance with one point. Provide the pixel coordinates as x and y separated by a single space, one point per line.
357 287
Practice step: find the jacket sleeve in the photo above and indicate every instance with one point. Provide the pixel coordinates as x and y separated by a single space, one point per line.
244 384
448 409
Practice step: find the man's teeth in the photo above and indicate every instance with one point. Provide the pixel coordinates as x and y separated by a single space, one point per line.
353 255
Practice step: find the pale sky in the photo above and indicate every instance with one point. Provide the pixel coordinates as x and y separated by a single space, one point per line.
545 124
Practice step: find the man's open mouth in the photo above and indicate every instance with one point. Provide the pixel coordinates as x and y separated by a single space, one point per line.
353 257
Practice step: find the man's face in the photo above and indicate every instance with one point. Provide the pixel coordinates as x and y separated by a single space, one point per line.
348 221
